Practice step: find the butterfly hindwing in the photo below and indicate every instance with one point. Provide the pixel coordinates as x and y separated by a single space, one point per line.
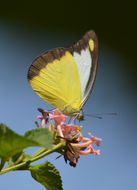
85 52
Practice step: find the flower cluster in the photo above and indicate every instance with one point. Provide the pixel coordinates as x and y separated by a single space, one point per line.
76 144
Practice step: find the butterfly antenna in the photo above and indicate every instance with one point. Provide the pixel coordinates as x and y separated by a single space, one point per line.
94 115
99 115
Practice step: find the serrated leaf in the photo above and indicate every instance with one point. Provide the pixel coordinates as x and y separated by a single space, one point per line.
47 175
40 135
11 143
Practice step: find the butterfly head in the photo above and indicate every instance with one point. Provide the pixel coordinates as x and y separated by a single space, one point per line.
79 115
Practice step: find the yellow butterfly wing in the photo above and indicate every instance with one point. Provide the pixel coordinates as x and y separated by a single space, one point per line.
64 77
54 77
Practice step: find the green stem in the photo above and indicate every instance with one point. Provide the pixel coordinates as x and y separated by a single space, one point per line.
38 152
32 158
15 167
55 148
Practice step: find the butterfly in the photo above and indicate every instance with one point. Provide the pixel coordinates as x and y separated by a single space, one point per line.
64 77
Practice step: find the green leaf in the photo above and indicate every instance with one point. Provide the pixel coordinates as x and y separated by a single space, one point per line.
40 135
47 175
2 162
11 143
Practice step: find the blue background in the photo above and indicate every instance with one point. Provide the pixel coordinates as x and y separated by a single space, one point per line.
114 91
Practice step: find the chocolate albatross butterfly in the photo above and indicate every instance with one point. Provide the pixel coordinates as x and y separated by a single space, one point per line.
64 77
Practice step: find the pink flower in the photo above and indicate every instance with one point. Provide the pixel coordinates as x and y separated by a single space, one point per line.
76 143
57 116
43 118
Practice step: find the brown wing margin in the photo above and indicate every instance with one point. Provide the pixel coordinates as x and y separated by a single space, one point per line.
78 47
94 54
45 58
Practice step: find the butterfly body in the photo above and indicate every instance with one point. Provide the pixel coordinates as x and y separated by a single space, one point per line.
64 77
